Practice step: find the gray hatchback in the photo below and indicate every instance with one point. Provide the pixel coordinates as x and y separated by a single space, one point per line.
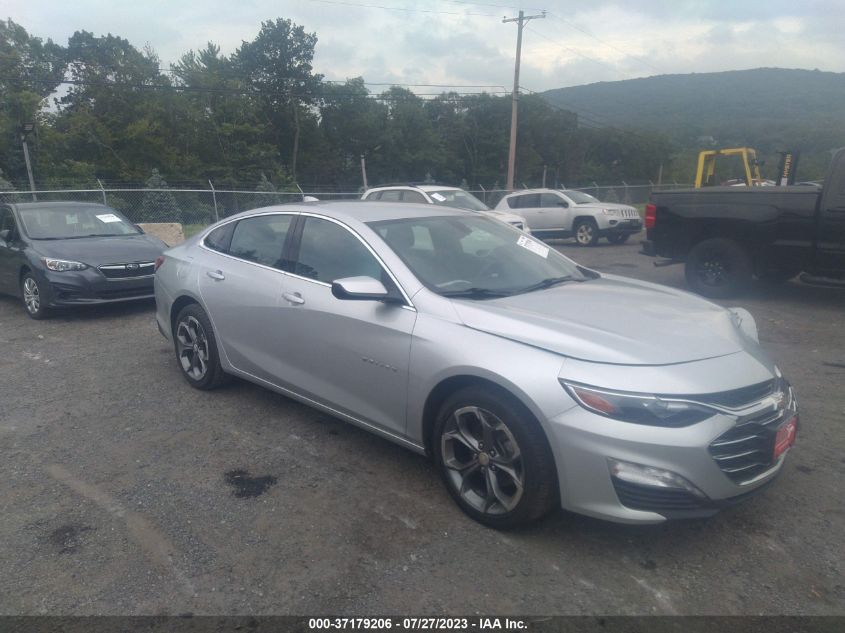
534 382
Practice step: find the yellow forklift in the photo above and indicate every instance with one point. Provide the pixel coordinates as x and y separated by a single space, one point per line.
705 173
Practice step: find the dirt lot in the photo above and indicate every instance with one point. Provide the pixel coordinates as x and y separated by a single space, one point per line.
126 492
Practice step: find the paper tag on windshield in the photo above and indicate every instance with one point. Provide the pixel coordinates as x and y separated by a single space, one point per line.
108 217
534 247
438 197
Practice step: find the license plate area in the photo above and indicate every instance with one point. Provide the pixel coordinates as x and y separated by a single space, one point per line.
785 437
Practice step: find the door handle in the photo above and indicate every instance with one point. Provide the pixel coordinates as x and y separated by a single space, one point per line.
293 297
216 275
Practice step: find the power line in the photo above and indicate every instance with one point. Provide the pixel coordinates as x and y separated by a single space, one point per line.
572 50
608 44
405 9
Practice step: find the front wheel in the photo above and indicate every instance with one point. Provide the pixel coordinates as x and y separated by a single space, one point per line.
718 268
196 349
586 232
494 458
33 298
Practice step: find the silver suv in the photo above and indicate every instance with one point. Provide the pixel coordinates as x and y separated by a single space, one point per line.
561 213
454 197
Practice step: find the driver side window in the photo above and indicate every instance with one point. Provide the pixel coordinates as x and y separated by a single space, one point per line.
7 223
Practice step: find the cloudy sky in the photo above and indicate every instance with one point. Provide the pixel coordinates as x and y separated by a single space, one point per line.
461 42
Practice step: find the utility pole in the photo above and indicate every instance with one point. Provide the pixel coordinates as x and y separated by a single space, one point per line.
27 130
521 20
364 171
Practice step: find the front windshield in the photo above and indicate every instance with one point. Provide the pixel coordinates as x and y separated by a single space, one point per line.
68 222
457 199
579 197
476 257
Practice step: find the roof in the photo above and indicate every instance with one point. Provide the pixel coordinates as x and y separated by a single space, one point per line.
57 204
425 188
366 210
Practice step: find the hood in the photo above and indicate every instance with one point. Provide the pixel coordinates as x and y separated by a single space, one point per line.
605 205
611 320
96 251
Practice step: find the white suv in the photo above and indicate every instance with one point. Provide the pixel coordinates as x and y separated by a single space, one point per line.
557 213
454 197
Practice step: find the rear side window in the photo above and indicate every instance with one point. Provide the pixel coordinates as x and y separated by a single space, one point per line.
527 201
413 196
392 195
261 239
375 195
328 251
551 200
219 238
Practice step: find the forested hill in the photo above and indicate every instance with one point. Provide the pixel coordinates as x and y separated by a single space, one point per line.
768 108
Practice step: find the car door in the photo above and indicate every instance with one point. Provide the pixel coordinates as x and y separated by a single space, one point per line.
350 355
528 206
11 252
240 281
556 212
830 235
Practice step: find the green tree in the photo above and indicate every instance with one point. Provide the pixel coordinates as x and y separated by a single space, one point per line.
30 70
158 204
277 64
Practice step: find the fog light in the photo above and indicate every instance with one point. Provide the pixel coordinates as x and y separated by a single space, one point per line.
650 476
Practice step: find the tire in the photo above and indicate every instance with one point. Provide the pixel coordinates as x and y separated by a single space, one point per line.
618 238
511 485
586 232
718 268
196 349
33 298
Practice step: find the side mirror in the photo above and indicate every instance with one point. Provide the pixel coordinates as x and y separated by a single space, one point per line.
359 289
140 230
563 203
5 234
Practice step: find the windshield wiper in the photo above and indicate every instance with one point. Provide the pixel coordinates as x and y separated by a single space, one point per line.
474 293
548 283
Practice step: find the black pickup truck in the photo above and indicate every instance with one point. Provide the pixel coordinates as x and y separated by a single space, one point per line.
729 235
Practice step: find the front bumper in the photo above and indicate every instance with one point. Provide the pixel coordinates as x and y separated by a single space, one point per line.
622 227
705 454
90 286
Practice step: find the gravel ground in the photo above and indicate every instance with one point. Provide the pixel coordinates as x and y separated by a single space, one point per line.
126 492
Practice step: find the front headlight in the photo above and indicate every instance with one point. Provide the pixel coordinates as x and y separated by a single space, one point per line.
638 408
62 265
611 211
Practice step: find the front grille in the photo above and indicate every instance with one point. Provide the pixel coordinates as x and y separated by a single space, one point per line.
736 398
654 499
128 271
747 450
127 293
630 213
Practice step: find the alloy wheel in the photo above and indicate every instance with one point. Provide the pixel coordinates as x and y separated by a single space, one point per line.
584 234
31 295
192 348
483 460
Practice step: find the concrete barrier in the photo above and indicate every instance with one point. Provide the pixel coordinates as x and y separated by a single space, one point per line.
171 233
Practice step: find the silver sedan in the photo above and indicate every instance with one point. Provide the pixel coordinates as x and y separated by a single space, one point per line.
533 382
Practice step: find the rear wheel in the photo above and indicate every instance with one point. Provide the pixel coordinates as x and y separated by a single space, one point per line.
618 238
586 232
494 458
33 298
718 268
196 349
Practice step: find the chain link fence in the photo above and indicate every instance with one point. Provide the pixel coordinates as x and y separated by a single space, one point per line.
200 207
